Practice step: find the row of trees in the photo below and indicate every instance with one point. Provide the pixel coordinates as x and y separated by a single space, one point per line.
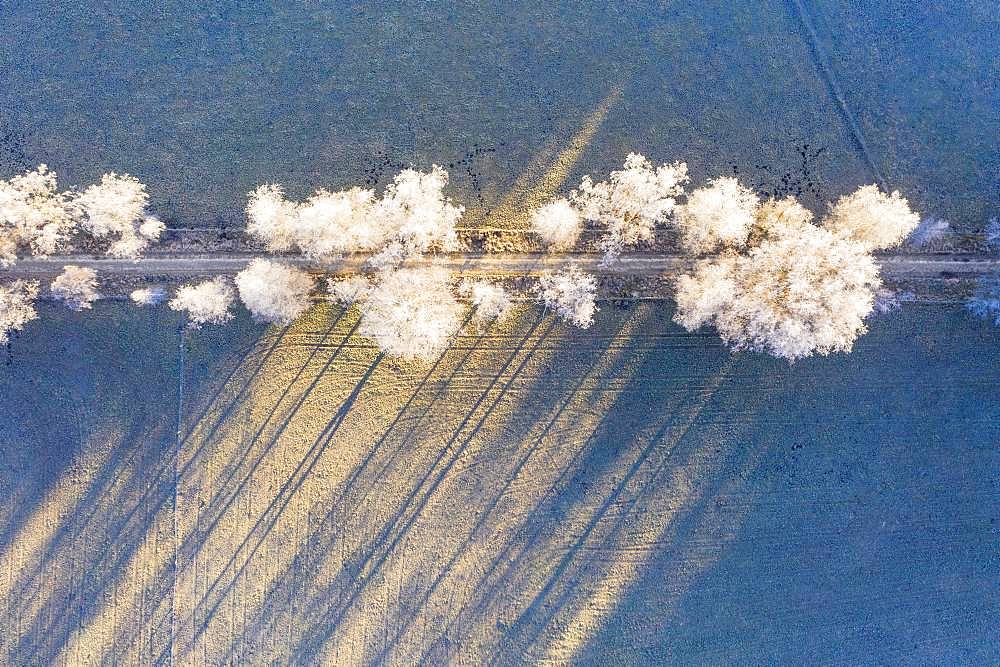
765 274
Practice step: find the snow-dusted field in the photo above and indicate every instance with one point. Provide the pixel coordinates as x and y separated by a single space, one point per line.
626 494
205 103
629 494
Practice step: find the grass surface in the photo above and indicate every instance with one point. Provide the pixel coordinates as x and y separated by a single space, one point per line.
205 104
630 493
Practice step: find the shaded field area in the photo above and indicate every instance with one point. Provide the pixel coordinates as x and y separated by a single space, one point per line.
204 103
632 493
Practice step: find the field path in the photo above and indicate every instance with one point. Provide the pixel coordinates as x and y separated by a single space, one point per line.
180 266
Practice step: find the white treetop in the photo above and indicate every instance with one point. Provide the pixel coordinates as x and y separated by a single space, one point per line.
797 290
274 292
558 224
412 217
33 215
411 313
17 306
491 301
631 201
571 293
76 286
205 303
717 215
116 208
872 218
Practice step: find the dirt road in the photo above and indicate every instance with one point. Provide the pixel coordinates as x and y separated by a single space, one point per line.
893 266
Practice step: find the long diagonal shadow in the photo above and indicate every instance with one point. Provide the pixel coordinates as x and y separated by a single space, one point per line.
115 463
138 510
186 545
119 526
28 645
311 640
685 527
228 496
98 485
537 607
148 495
570 394
238 396
295 566
274 511
377 447
540 529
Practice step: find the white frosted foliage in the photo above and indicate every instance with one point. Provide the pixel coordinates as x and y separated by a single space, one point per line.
558 224
207 302
411 313
631 201
274 292
717 215
148 296
793 296
490 300
115 209
872 218
348 290
412 217
33 215
76 286
17 306
571 293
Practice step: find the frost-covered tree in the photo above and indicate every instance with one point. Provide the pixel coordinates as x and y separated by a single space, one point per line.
631 201
571 293
717 215
872 218
33 215
274 292
348 290
491 301
928 231
411 313
148 296
415 211
985 300
801 290
115 208
781 284
412 217
271 218
329 224
76 286
17 306
205 303
777 218
558 224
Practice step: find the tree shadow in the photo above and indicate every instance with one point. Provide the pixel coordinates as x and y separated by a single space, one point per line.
87 524
864 538
320 600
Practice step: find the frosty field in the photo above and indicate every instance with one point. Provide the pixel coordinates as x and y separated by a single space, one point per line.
630 493
205 104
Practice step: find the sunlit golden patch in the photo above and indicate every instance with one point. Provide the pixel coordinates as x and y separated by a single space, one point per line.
544 175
